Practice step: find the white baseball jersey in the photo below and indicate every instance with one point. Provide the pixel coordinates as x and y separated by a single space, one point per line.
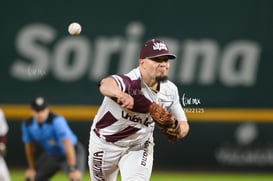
4 172
3 124
131 127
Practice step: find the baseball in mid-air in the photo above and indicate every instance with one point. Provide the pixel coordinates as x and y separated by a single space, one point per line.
74 28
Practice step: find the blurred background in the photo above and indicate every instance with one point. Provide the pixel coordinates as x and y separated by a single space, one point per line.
223 71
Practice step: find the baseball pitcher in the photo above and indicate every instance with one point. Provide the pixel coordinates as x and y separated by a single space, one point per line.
121 136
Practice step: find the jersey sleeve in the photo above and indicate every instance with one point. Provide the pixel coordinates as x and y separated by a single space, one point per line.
120 82
26 137
128 81
176 108
62 129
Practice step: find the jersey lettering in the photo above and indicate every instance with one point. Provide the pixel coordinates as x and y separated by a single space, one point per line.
145 153
97 165
134 118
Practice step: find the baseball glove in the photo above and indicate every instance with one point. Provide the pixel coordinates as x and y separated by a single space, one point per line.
172 133
167 123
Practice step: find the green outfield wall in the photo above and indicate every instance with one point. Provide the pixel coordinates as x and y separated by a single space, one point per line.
224 48
223 70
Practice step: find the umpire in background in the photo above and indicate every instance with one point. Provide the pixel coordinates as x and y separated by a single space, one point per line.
60 147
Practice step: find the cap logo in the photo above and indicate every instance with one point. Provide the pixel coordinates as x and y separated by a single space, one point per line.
39 101
159 46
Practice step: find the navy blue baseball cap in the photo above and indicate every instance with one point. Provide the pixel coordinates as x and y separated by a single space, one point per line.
39 104
155 48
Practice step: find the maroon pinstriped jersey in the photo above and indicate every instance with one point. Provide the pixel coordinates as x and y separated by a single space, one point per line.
125 127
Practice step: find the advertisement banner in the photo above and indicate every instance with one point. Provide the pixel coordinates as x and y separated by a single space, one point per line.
223 52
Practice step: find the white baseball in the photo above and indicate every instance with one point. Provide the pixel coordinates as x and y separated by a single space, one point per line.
74 28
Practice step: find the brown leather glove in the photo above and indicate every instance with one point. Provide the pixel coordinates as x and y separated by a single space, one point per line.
168 124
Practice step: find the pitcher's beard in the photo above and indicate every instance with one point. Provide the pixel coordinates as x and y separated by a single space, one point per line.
161 78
